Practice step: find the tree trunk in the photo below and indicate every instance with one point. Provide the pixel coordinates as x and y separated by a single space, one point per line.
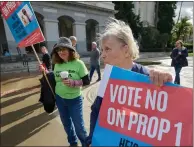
179 12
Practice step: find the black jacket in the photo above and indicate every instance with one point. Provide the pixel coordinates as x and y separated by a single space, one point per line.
46 97
179 60
46 59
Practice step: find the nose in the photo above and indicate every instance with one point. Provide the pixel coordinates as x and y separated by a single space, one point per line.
103 56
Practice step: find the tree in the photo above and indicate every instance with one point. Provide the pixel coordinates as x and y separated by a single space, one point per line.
125 13
179 12
166 12
182 29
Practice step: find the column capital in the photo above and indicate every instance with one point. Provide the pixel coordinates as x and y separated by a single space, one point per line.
79 23
50 20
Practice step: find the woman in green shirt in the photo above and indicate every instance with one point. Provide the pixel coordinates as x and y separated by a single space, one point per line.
68 91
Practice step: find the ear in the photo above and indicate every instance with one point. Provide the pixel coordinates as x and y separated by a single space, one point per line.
126 51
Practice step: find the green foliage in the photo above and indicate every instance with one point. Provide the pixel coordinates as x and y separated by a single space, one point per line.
149 37
166 12
152 40
189 46
182 30
125 13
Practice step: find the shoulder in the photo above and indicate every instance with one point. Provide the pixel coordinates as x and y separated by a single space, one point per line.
78 63
57 65
140 69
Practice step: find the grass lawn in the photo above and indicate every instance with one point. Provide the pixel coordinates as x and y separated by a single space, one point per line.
190 54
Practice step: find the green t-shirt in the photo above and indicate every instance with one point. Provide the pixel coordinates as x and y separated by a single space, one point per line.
77 70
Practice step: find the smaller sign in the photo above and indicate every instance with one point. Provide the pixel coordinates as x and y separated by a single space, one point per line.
22 23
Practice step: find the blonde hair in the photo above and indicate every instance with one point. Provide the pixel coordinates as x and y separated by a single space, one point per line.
123 33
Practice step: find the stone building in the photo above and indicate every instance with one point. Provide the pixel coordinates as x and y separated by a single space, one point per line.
81 19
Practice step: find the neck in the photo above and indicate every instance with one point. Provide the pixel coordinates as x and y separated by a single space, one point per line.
127 64
179 47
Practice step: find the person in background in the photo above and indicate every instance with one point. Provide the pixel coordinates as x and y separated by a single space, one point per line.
69 99
25 59
118 48
7 53
53 65
46 60
95 61
179 59
19 51
73 40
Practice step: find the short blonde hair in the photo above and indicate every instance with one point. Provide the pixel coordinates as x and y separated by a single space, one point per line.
123 33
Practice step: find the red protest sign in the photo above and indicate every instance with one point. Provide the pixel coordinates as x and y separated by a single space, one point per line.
22 23
154 115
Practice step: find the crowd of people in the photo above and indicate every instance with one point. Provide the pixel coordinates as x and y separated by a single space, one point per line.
118 48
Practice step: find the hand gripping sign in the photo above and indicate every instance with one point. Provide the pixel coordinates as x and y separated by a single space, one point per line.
22 22
135 112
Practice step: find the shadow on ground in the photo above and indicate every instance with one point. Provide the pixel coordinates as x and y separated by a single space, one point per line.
16 100
26 129
20 91
22 75
19 79
18 114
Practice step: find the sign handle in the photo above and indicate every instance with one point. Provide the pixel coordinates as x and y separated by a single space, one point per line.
44 73
36 54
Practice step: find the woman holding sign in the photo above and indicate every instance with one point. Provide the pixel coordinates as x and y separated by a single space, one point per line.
118 48
70 75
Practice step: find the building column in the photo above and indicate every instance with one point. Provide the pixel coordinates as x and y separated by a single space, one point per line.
79 30
51 33
11 43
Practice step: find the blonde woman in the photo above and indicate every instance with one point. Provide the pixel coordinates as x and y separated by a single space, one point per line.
119 48
179 59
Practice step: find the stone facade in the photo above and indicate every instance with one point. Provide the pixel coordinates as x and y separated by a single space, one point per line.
76 14
81 19
146 10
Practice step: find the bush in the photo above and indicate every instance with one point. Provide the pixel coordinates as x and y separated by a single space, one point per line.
152 50
152 40
149 37
189 46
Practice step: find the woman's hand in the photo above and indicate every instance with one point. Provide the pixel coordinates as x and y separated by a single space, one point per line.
42 68
159 78
66 82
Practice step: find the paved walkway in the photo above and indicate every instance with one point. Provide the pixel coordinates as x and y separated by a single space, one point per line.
33 65
24 122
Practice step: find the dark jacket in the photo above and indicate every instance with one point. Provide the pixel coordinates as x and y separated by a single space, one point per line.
179 60
46 59
98 101
46 97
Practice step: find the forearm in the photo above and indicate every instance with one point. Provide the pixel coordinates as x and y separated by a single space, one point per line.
79 83
76 83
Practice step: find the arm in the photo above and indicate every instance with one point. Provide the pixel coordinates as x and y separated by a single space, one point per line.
97 54
83 73
93 117
78 83
172 55
185 53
